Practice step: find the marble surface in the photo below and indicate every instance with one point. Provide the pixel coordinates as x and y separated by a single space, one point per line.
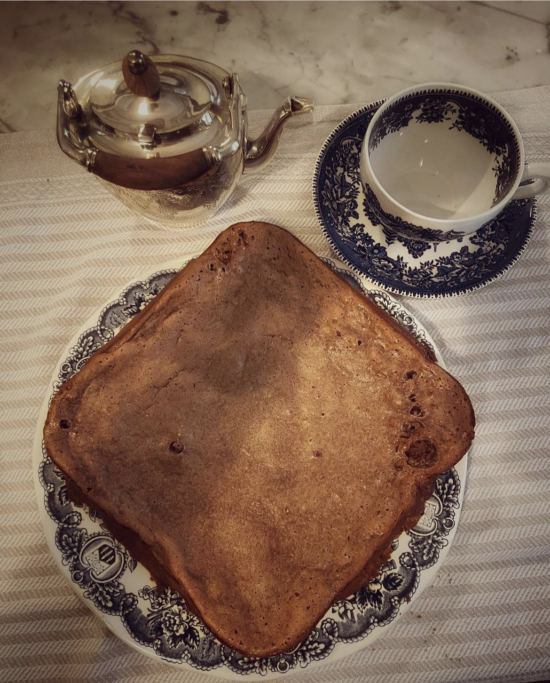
334 52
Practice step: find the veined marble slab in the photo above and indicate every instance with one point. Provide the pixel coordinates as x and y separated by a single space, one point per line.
334 52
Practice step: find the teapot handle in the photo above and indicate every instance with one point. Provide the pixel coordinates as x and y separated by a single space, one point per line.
69 133
261 150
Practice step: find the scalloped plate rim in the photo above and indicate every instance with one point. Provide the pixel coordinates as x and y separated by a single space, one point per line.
114 622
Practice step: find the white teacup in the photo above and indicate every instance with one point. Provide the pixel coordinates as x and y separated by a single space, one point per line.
439 161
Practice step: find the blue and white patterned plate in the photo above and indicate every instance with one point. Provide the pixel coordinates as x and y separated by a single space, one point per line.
406 266
119 590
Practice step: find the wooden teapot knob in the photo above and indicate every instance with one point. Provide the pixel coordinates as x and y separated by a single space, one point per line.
140 74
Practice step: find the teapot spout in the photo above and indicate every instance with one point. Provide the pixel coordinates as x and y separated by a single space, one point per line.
260 151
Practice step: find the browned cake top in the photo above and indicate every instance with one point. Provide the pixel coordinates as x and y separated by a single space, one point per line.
264 429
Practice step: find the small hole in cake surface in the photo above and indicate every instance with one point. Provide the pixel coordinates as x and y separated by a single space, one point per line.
417 411
242 234
176 447
410 375
64 424
421 454
411 427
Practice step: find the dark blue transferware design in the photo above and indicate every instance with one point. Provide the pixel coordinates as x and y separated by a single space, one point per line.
101 568
464 112
362 236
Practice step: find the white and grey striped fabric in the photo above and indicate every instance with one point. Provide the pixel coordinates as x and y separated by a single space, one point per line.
66 246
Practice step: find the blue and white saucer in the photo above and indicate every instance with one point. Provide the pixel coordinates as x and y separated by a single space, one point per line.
394 263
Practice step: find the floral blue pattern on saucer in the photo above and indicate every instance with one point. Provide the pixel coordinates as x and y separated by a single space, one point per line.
114 584
402 265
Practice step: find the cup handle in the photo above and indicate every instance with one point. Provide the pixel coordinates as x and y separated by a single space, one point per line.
540 173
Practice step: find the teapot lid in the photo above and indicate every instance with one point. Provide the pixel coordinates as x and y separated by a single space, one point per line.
159 106
139 95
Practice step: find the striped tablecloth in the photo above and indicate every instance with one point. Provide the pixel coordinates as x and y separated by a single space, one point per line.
66 246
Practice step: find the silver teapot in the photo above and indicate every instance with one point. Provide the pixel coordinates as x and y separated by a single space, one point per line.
167 134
